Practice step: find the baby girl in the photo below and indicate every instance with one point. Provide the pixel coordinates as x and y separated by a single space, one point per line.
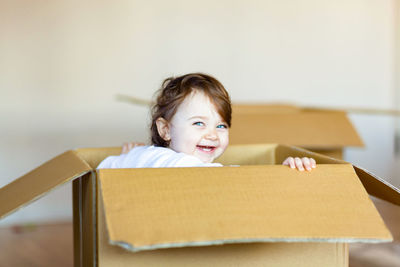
190 128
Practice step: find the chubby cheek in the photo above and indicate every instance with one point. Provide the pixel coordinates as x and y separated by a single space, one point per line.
190 143
224 141
183 140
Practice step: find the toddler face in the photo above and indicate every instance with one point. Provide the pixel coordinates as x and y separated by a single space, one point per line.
197 129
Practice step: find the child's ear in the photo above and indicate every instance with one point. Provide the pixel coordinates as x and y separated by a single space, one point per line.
163 129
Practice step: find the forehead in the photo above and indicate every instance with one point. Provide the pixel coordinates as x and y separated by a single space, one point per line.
197 103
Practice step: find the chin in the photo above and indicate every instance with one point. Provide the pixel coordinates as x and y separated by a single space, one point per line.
204 157
206 160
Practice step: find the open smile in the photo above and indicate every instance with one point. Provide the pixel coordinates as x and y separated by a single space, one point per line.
206 149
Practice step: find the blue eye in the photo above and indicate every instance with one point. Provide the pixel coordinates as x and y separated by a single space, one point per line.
222 126
198 123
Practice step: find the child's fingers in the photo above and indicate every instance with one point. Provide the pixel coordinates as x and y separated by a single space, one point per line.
137 144
124 148
286 162
306 163
131 146
299 164
289 162
313 163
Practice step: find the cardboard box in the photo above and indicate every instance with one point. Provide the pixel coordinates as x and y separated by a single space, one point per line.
326 132
263 214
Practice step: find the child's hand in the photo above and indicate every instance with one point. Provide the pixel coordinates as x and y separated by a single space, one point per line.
300 164
126 147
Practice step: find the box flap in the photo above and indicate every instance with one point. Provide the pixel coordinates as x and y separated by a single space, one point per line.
268 108
41 180
374 185
160 208
93 156
265 108
311 129
378 187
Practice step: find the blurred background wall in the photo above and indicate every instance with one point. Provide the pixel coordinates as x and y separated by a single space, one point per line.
62 63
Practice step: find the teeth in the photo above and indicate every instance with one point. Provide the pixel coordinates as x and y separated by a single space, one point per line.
206 148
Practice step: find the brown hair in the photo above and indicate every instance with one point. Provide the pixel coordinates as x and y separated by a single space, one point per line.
175 89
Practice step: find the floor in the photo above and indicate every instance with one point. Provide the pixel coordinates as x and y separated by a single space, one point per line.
51 245
31 245
380 255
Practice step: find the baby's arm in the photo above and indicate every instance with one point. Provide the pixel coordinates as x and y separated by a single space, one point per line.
124 160
126 147
300 163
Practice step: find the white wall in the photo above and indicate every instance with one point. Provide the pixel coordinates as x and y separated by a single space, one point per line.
62 62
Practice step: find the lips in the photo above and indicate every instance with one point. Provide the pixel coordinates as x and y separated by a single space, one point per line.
207 149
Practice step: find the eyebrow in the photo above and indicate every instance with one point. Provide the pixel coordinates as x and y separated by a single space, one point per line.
197 117
202 117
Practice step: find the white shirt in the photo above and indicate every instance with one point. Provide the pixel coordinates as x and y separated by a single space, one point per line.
153 157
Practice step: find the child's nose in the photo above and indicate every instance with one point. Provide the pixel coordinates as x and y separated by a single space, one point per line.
211 134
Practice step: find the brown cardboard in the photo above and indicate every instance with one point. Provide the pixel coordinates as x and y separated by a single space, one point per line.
158 208
84 220
314 130
336 153
250 254
91 249
323 131
264 108
374 185
41 180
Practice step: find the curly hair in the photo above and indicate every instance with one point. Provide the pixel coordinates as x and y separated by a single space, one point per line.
174 90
